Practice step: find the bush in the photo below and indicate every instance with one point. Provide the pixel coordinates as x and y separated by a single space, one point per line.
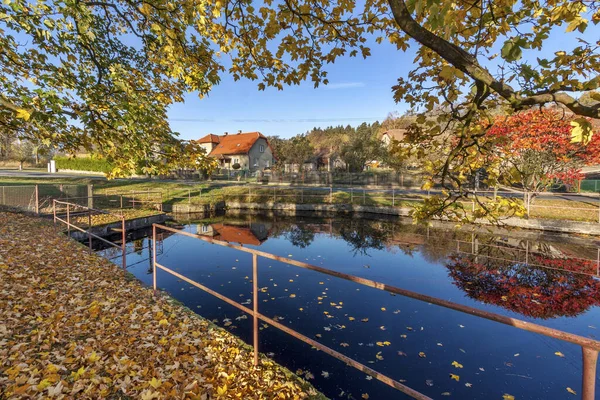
236 166
83 164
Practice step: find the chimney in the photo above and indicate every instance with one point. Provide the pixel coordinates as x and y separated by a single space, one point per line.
226 133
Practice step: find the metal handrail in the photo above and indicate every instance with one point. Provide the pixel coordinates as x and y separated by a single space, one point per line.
590 347
91 235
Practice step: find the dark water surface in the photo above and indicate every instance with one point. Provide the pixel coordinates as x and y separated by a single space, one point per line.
550 281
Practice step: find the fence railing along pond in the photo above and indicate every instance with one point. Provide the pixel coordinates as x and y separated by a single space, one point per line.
590 347
75 215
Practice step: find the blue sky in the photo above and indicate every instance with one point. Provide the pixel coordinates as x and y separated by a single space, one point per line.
359 91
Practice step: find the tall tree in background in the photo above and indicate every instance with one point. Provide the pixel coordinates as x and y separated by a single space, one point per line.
362 146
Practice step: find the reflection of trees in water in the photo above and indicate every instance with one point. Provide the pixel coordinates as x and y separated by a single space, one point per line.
299 236
364 235
530 291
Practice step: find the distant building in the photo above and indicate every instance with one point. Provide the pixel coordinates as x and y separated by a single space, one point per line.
250 150
393 134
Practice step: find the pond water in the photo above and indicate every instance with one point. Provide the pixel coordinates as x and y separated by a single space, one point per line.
548 280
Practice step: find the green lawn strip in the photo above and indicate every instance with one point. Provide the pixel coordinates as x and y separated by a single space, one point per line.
92 330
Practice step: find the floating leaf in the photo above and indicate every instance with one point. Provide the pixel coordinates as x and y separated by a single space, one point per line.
558 353
456 364
455 377
571 391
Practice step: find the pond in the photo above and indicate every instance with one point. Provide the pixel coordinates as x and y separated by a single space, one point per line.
549 280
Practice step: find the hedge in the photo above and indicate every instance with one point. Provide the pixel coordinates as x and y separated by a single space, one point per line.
83 164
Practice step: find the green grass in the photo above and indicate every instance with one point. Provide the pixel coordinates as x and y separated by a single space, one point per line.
174 192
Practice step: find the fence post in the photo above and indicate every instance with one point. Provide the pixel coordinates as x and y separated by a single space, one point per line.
68 221
123 247
274 194
54 211
154 257
37 200
330 195
528 203
394 201
255 304
590 361
90 195
90 228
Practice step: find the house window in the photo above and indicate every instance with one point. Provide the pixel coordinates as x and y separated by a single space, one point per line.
236 160
262 148
204 228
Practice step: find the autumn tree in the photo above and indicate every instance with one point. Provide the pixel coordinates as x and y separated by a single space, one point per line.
536 150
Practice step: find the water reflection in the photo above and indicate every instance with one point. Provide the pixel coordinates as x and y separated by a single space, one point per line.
533 278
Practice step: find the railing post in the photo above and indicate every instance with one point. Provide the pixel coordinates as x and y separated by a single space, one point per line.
274 195
189 196
588 385
68 220
330 195
123 247
121 196
54 212
154 257
394 200
351 195
37 200
90 228
255 304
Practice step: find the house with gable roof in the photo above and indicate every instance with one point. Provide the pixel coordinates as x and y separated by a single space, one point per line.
251 150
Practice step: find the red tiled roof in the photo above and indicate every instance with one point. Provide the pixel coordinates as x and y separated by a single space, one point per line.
236 143
235 234
210 138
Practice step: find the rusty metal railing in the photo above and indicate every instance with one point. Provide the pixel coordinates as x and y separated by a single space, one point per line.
590 347
80 210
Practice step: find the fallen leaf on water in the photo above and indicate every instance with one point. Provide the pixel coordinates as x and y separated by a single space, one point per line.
508 397
456 364
455 377
422 355
468 384
558 353
325 374
571 391
365 396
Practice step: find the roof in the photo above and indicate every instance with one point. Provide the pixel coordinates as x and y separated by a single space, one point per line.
235 234
236 143
396 134
210 138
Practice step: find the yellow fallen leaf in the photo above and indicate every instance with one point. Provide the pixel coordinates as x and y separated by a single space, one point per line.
43 385
558 353
221 391
571 391
455 377
382 308
508 397
422 355
155 383
365 396
163 322
93 357
351 318
456 364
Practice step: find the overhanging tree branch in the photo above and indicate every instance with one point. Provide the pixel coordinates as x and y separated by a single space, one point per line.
468 64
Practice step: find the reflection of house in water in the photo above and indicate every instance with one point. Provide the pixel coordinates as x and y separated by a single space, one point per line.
253 233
